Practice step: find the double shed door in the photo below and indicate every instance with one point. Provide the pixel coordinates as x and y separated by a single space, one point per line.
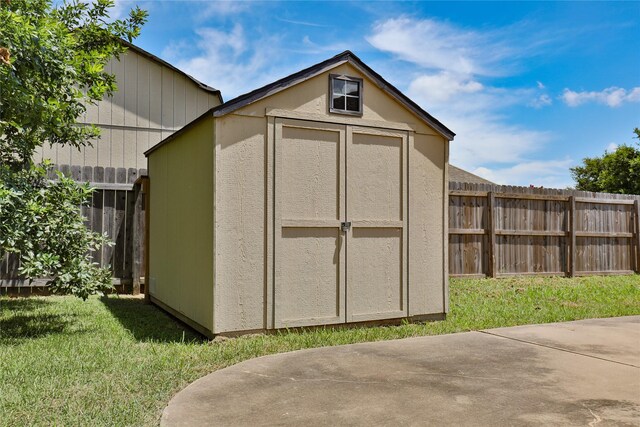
340 223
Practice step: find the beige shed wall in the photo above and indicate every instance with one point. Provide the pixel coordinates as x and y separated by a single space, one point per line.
242 179
427 239
151 103
240 223
181 224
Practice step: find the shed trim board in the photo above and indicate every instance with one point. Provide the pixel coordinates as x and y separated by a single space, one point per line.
445 231
288 114
270 224
360 221
284 285
354 298
214 157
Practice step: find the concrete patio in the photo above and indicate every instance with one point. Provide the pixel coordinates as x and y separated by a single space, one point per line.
575 373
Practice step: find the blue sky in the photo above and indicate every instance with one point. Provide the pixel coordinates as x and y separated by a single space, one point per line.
529 88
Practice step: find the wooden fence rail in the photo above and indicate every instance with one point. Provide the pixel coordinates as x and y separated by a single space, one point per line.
494 230
503 231
117 209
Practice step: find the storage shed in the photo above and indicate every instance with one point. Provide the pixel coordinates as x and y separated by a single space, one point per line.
319 199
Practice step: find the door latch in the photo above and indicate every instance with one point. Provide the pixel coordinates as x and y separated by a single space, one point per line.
345 226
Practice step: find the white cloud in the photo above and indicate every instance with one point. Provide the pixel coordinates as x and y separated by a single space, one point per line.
121 9
540 173
219 8
443 86
612 147
611 96
447 91
483 139
541 101
473 112
228 60
432 44
450 66
441 45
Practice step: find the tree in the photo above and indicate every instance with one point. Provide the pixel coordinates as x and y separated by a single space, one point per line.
615 172
52 60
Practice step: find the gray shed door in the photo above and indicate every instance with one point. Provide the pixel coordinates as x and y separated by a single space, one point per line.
340 224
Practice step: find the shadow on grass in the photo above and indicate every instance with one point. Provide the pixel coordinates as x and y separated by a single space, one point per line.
147 322
27 318
23 304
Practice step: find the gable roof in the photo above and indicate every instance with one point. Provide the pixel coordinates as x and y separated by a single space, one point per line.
460 175
346 56
302 75
160 61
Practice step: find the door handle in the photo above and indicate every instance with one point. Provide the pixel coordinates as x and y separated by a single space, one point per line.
345 226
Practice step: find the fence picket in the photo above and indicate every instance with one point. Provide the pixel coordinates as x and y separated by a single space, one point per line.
528 231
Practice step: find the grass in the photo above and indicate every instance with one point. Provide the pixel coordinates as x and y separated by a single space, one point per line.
115 361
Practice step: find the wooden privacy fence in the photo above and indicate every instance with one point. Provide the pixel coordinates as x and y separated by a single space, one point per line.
117 208
503 231
493 230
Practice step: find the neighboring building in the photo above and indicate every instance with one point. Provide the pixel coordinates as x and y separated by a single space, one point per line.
318 199
460 175
154 99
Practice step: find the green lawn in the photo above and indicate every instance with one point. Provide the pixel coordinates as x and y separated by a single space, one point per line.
115 361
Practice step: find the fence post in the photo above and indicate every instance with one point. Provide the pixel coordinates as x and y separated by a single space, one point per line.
571 260
636 205
146 189
137 252
491 219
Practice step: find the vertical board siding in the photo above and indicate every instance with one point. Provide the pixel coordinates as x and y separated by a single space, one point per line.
167 98
104 106
179 100
143 93
520 251
152 102
128 86
155 94
191 102
103 145
118 98
117 148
